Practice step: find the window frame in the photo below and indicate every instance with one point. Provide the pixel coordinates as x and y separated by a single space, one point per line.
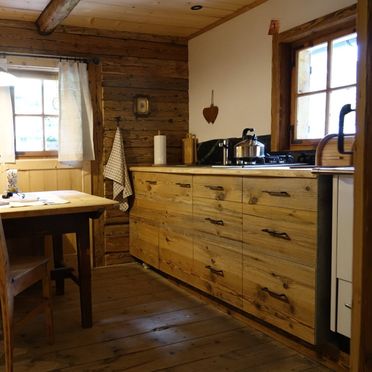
341 22
38 74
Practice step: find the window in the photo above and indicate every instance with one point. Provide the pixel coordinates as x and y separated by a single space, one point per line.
325 80
314 75
36 112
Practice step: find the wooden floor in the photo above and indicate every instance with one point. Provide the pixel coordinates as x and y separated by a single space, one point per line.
144 323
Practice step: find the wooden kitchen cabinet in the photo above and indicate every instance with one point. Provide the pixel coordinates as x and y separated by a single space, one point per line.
176 229
144 226
217 218
162 222
253 242
281 244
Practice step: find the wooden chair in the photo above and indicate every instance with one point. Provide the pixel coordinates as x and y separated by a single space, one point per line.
16 275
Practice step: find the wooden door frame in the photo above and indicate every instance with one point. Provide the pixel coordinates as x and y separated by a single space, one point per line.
361 337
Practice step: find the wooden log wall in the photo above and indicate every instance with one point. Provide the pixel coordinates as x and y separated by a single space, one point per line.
130 65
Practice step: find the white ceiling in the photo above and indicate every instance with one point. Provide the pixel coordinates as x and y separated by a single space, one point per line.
157 17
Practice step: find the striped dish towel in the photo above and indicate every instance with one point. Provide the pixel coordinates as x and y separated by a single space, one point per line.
116 170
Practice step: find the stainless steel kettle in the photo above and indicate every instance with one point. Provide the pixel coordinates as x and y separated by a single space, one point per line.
249 149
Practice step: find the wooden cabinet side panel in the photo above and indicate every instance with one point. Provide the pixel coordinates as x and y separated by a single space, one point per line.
144 240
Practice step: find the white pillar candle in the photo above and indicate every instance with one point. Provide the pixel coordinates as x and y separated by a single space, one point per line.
160 149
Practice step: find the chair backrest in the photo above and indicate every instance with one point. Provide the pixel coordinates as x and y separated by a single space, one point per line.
4 260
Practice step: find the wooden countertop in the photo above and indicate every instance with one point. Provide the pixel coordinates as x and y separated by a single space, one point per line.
226 171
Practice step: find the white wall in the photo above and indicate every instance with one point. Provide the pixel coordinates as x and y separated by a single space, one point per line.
234 60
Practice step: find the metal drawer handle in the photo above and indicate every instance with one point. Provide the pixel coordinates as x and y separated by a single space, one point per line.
348 306
184 185
215 222
278 296
215 271
276 234
151 182
214 188
277 193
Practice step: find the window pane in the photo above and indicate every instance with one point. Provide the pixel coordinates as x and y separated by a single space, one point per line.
312 69
29 133
344 61
27 96
51 102
339 98
311 116
51 133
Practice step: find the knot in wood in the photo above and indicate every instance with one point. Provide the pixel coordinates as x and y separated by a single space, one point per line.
253 200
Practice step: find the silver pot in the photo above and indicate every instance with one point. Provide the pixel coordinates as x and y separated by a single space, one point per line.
249 149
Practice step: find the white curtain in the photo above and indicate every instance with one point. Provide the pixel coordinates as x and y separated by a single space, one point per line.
7 151
76 114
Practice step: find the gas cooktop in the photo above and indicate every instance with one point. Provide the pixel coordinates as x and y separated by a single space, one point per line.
266 165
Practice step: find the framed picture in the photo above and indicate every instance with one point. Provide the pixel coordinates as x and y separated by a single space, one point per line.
141 106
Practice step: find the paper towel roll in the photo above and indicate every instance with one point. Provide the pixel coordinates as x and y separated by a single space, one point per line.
160 149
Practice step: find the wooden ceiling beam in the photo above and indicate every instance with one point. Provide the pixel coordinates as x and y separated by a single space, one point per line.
54 14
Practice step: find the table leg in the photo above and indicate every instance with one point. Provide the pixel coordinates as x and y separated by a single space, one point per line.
83 255
58 263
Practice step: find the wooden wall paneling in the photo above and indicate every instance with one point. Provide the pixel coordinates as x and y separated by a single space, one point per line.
140 67
124 93
87 177
69 179
43 180
116 216
117 237
26 25
62 41
23 181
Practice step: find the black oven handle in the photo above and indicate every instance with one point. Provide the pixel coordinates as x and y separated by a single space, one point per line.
346 109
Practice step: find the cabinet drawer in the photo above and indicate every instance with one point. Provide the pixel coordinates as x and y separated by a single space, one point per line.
281 232
143 240
280 292
218 270
218 188
164 188
219 219
344 307
299 193
175 245
146 208
146 183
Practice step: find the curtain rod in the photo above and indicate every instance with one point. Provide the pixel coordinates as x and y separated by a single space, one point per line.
94 60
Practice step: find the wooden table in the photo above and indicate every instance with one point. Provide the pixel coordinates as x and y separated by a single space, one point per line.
58 219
